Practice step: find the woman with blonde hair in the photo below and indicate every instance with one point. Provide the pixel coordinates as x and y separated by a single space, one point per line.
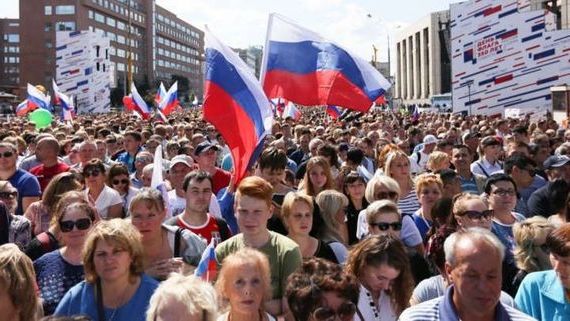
318 176
183 298
167 248
398 167
381 265
429 189
297 213
437 161
244 284
115 287
332 205
18 298
531 253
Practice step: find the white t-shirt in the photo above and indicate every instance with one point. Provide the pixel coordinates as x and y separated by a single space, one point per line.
106 199
177 205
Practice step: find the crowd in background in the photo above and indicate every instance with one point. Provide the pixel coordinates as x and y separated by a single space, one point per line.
375 216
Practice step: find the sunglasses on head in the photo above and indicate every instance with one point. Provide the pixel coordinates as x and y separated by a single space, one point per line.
385 195
476 215
7 154
93 172
345 312
81 224
382 226
120 181
9 195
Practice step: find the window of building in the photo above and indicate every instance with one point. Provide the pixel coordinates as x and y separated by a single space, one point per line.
99 17
48 26
12 38
14 24
48 10
111 22
65 26
120 66
121 53
90 14
121 39
121 25
49 44
67 9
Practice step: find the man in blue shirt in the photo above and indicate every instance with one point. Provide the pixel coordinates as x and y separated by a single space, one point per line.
132 143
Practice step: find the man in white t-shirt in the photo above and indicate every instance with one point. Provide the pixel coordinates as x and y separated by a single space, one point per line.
419 159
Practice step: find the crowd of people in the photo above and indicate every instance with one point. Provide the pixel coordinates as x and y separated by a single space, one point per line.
374 216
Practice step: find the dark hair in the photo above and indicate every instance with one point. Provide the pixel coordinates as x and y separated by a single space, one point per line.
518 160
305 287
135 135
558 196
116 170
198 175
94 163
384 249
520 130
352 177
461 146
440 213
498 177
273 158
434 250
330 152
355 155
447 175
558 242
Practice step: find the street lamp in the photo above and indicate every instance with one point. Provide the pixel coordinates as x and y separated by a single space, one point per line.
469 96
387 40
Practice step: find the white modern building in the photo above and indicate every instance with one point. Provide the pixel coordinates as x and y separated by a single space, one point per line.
423 60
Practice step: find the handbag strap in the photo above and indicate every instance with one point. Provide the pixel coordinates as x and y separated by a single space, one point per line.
100 309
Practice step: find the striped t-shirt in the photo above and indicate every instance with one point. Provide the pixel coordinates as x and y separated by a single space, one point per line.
409 204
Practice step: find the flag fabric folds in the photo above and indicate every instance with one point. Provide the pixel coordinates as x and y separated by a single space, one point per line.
291 111
136 103
66 102
235 104
160 94
157 179
333 111
304 67
207 262
169 101
36 99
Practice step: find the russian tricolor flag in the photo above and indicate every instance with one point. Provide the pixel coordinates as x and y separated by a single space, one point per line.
333 111
170 100
235 104
36 99
291 111
208 263
160 94
301 66
135 103
24 107
64 101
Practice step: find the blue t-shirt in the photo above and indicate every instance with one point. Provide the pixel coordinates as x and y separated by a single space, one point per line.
422 224
55 277
81 300
27 186
504 233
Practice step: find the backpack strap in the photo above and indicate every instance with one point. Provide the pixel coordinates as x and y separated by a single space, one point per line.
481 167
177 237
419 156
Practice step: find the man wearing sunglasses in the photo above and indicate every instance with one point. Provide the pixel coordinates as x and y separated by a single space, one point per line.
473 262
27 184
523 171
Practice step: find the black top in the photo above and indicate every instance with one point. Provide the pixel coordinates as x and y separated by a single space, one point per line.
352 220
324 251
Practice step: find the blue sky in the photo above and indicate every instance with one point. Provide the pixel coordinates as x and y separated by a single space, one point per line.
241 23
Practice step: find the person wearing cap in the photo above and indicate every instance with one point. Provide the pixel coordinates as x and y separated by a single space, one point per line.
539 202
489 163
205 155
180 166
419 159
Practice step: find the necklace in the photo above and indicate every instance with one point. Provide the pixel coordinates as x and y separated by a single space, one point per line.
372 304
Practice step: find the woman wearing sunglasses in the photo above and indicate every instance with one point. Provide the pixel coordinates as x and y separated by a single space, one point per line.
106 200
470 211
322 291
118 179
17 228
381 265
59 270
244 284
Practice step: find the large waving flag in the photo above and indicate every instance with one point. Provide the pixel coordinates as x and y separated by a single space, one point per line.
23 108
170 100
36 99
160 94
135 103
157 179
207 264
235 104
301 66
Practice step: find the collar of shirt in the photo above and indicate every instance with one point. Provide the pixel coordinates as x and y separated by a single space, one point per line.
448 312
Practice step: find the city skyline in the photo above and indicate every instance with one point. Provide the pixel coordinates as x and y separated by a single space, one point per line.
342 21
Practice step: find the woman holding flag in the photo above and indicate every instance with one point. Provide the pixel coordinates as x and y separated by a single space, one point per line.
166 248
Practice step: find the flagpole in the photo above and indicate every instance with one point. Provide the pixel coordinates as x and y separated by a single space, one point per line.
265 49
